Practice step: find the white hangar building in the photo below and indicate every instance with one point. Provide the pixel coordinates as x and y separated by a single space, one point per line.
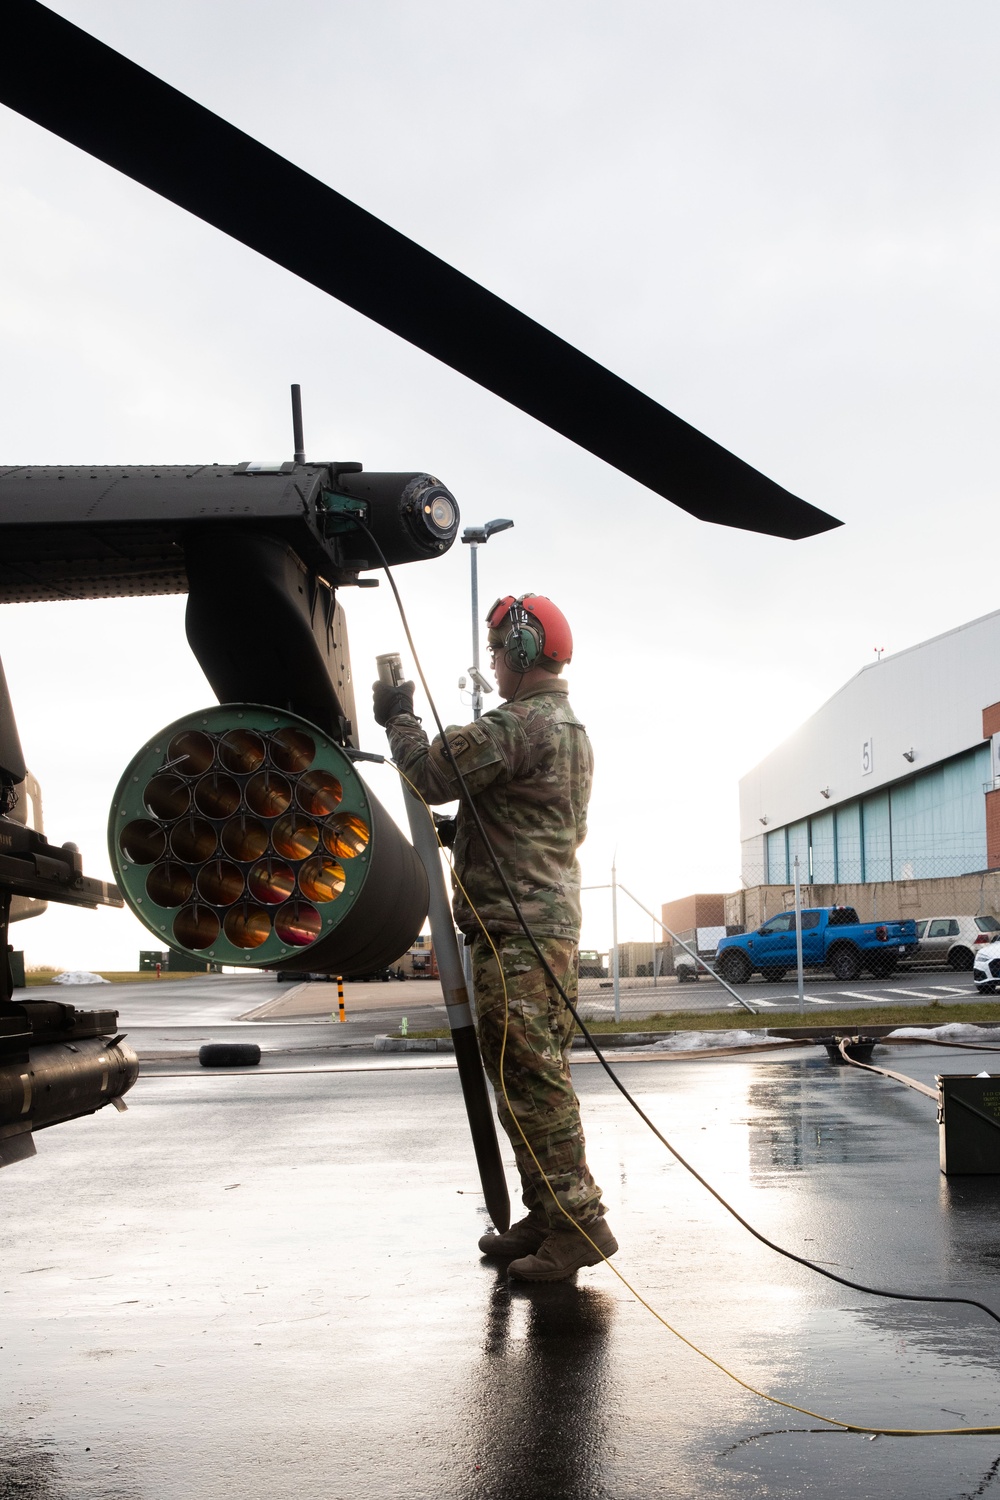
893 778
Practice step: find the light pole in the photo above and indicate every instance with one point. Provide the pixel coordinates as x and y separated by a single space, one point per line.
615 964
476 537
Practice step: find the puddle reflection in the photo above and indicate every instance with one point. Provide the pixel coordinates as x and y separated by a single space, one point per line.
29 1472
542 1400
820 1115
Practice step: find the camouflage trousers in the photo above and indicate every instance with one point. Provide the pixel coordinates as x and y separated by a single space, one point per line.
536 1072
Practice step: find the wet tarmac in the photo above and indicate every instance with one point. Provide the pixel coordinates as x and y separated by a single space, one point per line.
173 1018
268 1285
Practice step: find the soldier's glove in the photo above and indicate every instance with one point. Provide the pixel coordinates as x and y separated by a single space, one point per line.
388 701
446 830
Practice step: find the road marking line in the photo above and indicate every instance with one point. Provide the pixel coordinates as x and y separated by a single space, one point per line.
915 994
813 1000
865 995
949 989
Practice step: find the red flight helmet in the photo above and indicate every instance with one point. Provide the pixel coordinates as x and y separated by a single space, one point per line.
532 631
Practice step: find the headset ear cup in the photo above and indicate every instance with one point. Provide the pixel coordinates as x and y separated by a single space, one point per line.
513 655
522 648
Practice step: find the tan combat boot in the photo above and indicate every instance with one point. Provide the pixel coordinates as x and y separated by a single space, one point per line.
521 1238
565 1251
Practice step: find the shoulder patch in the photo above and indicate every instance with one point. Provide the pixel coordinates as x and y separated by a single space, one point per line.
475 733
458 743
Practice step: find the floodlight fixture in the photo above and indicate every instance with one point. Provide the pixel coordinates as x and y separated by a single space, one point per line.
478 534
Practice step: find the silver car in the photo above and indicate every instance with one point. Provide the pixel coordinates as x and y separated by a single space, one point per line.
954 941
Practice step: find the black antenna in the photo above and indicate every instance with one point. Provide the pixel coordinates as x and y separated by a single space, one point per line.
297 438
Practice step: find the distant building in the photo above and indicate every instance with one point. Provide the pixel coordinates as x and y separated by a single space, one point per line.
689 912
419 961
641 960
895 778
172 962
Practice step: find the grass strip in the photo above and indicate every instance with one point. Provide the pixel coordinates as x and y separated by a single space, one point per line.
113 976
934 1013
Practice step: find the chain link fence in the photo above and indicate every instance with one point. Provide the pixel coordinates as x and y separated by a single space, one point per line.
635 979
954 913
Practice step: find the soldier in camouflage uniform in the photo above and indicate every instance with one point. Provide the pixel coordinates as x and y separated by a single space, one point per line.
528 766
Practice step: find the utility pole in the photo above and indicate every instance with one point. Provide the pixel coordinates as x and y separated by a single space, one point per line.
477 692
475 537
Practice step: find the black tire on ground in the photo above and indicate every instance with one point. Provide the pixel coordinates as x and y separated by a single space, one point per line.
881 965
773 975
960 958
735 968
229 1055
845 962
986 989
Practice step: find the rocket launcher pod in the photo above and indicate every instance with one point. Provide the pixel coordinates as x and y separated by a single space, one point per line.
244 835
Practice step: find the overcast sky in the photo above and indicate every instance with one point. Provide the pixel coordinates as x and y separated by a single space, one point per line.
778 219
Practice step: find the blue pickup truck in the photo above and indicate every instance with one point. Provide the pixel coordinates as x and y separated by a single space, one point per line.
832 937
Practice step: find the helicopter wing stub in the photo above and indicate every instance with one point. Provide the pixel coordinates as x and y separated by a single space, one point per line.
96 531
82 90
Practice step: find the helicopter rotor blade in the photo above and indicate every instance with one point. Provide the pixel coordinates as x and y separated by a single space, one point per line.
70 83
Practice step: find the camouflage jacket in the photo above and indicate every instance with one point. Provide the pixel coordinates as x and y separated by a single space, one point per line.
529 767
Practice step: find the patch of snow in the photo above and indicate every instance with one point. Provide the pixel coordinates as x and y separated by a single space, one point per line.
698 1041
79 976
953 1031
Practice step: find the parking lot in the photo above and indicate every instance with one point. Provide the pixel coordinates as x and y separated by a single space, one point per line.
916 987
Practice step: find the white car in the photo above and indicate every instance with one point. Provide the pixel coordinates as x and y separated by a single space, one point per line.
705 941
955 941
687 968
986 971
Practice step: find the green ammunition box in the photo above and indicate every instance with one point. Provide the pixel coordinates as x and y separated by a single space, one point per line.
969 1123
